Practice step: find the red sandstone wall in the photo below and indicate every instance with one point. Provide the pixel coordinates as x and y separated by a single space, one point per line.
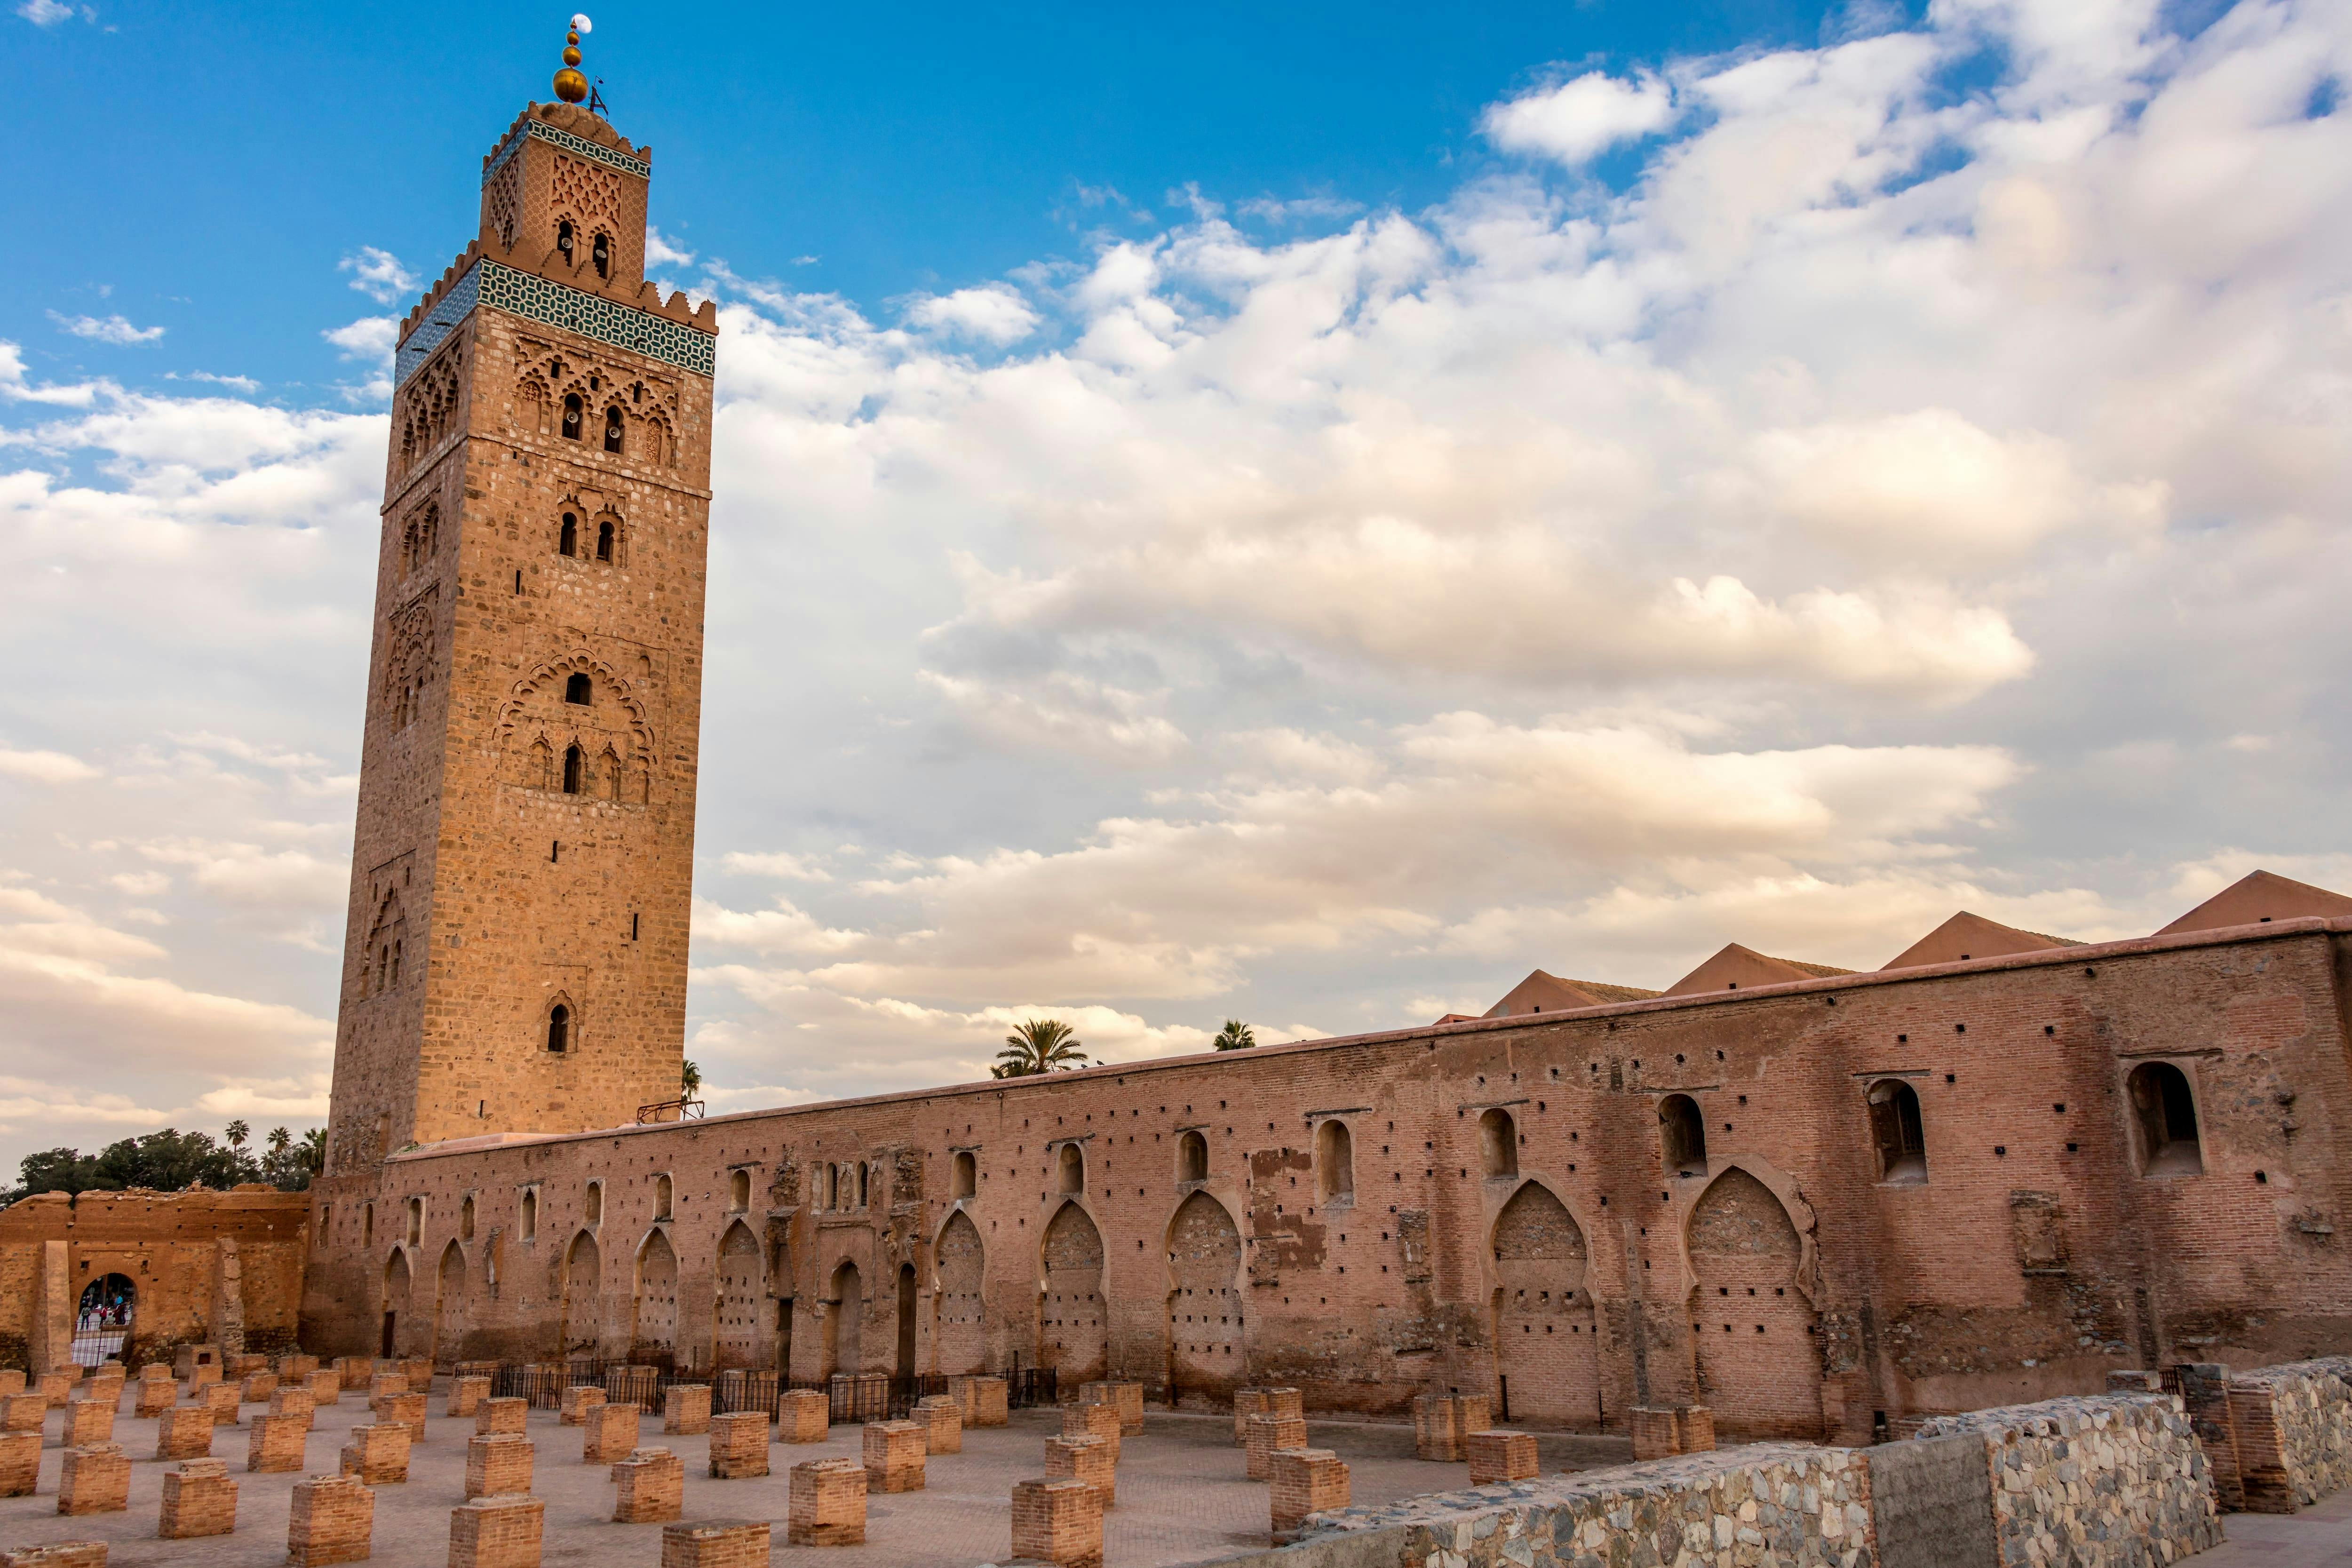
2033 1258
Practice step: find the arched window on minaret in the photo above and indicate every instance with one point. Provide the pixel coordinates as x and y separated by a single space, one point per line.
605 541
559 1029
563 238
602 254
575 763
572 417
612 428
569 540
578 687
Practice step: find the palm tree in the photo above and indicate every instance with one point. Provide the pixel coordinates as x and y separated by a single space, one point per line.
237 1133
689 1080
279 1139
1235 1036
1041 1045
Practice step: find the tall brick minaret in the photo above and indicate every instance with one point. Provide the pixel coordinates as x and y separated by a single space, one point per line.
515 956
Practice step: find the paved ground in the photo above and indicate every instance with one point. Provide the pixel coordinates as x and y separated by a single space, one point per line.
1182 1497
2319 1537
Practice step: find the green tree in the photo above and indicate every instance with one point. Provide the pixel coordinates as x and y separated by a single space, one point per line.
171 1160
236 1133
1039 1046
689 1079
55 1171
1235 1036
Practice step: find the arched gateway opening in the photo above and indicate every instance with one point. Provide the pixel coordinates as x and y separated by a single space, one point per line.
102 1322
1751 1327
1205 1353
958 1330
1070 1325
1546 1349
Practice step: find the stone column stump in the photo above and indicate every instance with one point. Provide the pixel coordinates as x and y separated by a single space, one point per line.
185 1432
803 1415
1496 1454
739 1446
199 1499
894 1457
941 1418
1059 1521
685 1409
501 1415
497 1532
278 1444
1657 1430
377 1455
827 1506
498 1465
1305 1481
1268 1434
1088 1460
729 1545
610 1434
97 1480
330 1522
650 1487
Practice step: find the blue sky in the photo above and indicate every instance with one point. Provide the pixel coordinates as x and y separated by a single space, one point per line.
1490 490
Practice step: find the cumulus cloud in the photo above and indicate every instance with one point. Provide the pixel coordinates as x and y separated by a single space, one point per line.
1576 119
994 313
117 330
45 13
46 767
379 275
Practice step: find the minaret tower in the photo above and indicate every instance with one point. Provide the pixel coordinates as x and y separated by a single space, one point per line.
515 957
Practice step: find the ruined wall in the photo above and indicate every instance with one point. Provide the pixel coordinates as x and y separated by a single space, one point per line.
2036 1255
198 1262
2293 1431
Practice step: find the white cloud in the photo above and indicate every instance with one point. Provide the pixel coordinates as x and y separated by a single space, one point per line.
115 330
1579 118
775 863
45 13
379 275
47 767
994 313
370 338
663 251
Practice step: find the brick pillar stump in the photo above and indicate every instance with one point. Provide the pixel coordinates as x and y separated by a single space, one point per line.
827 1506
278 1444
649 1488
88 1421
721 1545
221 1399
610 1434
155 1398
330 1522
377 1455
1306 1481
1267 1436
202 1375
11 1381
1059 1521
57 1555
24 1412
498 1465
184 1432
497 1532
986 1402
1127 1398
739 1446
326 1386
256 1388
1093 1421
1496 1454
293 1401
418 1369
383 1385
244 1362
1088 1460
941 1415
296 1368
405 1410
57 1387
1657 1430
578 1399
105 1385
1695 1423
1247 1402
199 1499
496 1416
97 1480
20 1463
1442 1425
894 1457
465 1395
355 1370
803 1415
477 1368
685 1409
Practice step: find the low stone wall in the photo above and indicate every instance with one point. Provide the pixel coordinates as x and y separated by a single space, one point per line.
2293 1432
2112 1482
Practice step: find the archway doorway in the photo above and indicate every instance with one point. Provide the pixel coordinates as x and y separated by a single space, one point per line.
1751 1327
653 1329
396 1301
1205 1359
1546 1352
1071 1338
959 1333
103 1323
449 1306
845 1322
584 1283
741 1295
906 1366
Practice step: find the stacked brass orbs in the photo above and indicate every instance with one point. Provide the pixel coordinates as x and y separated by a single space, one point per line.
570 84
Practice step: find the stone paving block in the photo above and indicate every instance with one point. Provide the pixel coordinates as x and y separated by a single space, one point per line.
185 1432
1126 1397
739 1446
1088 1460
894 1457
803 1415
1442 1425
497 1532
326 1386
610 1434
827 1504
199 1499
1496 1454
24 1412
20 1463
941 1415
279 1444
155 1398
1093 1421
984 1401
685 1409
402 1409
96 1479
721 1545
89 1421
257 1387
501 1415
57 1555
1059 1521
377 1455
649 1488
1269 1434
578 1399
221 1399
498 1464
466 1393
332 1520
1310 1480
293 1401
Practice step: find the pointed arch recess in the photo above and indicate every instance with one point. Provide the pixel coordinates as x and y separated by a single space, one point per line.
1546 1340
1072 1326
741 1298
1207 1348
960 1329
1752 1326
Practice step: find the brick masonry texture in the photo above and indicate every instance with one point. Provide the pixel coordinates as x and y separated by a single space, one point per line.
826 1506
2292 1433
578 1400
501 1415
465 1394
803 1415
731 1545
24 1412
940 1416
1306 1481
984 1401
184 1432
256 1387
739 1445
1442 1425
1126 1397
1269 1433
1496 1454
296 1402
499 1465
1088 1460
20 1463
1093 1421
497 1532
378 1454
404 1410
331 1520
199 1499
611 1434
57 1554
649 1488
278 1443
89 1421
96 1479
1059 1521
895 1456
154 1397
326 1386
685 1409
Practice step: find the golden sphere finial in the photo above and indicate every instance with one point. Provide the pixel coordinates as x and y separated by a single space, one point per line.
570 84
